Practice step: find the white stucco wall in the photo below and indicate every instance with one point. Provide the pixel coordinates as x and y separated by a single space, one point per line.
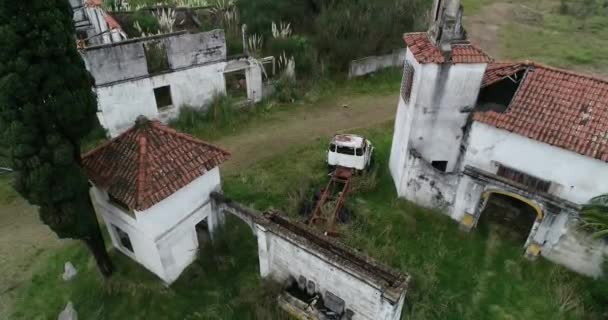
121 103
578 178
443 98
164 237
281 259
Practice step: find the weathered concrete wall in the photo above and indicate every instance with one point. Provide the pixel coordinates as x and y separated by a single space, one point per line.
289 250
122 103
127 60
444 98
372 64
567 245
427 186
284 255
164 237
574 177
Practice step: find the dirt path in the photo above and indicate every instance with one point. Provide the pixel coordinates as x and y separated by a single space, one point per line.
25 242
304 125
483 28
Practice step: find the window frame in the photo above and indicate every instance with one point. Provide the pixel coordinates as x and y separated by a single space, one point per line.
118 233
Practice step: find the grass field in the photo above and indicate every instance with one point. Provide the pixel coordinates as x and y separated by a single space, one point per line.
456 275
558 33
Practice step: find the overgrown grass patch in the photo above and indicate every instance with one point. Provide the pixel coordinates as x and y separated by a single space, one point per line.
455 275
7 193
222 284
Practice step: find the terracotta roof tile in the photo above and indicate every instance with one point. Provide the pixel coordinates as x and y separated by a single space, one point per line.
426 52
150 162
554 106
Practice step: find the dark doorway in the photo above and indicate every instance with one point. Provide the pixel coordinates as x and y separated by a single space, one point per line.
202 232
511 218
236 85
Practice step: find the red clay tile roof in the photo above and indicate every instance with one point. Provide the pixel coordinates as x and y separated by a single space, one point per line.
558 107
150 162
426 52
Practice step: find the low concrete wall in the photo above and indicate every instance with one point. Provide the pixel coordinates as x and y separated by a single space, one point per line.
290 251
372 64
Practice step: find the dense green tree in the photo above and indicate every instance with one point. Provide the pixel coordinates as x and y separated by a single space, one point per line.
46 108
595 216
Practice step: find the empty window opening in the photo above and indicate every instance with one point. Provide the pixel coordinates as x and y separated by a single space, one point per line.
123 238
163 97
332 147
440 165
346 150
525 179
407 82
236 84
497 96
508 218
156 57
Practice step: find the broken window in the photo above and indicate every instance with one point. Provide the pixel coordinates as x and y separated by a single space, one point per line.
163 97
156 57
497 96
523 178
440 165
123 238
236 84
407 82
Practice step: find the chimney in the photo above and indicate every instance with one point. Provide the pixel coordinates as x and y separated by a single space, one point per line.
446 27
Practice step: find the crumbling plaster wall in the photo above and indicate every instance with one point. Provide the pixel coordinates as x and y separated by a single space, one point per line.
127 60
372 64
282 259
122 103
574 177
444 98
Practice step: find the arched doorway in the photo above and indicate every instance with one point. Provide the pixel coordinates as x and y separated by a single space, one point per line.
508 214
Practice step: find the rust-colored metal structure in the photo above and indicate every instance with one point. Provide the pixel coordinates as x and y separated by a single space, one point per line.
337 190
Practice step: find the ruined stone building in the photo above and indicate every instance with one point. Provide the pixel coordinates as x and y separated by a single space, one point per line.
470 131
157 75
94 25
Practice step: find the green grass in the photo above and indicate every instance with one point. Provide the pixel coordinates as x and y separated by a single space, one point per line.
222 284
7 194
224 118
559 40
456 275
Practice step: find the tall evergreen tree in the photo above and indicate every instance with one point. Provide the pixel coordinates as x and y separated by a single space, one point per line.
46 108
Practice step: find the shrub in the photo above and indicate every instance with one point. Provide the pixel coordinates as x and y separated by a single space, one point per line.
296 46
285 89
146 21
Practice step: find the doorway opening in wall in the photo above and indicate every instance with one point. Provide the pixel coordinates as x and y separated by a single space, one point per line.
236 85
202 232
509 217
163 98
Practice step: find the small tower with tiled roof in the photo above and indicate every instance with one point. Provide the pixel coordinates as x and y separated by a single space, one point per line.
441 80
151 186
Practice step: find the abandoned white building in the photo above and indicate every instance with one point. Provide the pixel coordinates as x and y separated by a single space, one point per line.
158 190
94 25
151 186
156 76
470 131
